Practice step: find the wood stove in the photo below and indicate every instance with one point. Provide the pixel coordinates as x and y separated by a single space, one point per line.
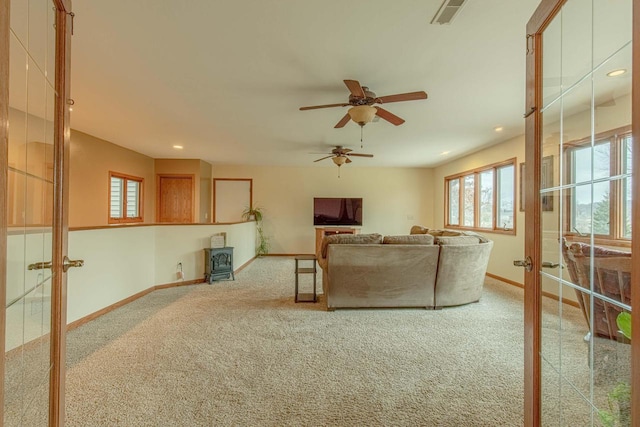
218 264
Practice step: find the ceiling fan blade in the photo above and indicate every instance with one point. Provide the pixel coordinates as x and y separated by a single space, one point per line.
328 157
391 118
355 88
348 160
412 96
360 155
343 121
315 107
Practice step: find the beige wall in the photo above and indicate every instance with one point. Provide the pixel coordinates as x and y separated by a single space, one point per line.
394 199
91 159
506 248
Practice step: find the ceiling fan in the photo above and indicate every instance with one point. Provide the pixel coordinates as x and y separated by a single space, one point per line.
362 101
340 156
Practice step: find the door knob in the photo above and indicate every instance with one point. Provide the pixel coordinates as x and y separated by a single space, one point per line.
549 264
526 263
68 263
39 265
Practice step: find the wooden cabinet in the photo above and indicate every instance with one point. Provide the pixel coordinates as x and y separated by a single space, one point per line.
330 231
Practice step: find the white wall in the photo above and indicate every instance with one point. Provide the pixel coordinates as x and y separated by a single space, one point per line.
122 261
506 248
394 199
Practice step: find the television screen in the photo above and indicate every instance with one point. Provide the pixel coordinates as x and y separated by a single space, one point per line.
337 211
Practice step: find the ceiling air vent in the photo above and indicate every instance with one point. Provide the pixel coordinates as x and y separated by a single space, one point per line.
448 11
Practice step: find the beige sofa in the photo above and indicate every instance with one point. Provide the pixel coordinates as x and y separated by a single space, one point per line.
439 269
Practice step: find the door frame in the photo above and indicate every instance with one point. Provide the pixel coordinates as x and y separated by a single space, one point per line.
546 11
62 133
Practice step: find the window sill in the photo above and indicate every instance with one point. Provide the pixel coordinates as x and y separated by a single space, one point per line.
600 241
508 232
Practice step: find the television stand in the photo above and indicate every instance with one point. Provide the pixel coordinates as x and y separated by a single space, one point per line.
330 231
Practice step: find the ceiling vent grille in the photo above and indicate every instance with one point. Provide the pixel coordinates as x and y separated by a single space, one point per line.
448 11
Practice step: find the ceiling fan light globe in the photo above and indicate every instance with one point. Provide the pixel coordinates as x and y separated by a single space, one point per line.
339 160
362 114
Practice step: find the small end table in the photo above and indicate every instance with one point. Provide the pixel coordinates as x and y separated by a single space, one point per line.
306 297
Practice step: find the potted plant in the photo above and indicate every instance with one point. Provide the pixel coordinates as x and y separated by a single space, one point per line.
252 214
256 214
619 398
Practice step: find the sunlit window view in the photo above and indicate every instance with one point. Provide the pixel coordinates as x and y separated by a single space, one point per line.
487 198
599 207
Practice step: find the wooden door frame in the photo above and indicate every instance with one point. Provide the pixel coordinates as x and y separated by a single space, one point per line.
543 15
213 216
176 175
62 138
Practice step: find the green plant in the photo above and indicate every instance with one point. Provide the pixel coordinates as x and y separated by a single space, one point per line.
256 213
251 213
620 396
263 242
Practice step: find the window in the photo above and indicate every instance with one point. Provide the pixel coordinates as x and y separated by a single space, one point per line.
482 198
599 178
125 196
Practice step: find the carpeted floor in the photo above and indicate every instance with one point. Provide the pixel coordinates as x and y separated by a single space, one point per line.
243 353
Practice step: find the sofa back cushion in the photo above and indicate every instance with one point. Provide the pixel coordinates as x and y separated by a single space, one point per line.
349 239
412 239
457 240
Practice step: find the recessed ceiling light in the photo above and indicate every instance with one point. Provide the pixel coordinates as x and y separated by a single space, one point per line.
615 73
498 128
178 147
444 153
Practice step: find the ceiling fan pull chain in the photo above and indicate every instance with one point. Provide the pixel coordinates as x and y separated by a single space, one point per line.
361 132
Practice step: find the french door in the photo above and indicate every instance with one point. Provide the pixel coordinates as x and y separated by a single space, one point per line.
34 137
582 238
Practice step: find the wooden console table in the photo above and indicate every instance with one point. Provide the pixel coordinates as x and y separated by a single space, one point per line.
330 231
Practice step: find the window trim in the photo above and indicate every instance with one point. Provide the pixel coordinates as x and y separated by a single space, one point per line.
476 211
125 219
615 137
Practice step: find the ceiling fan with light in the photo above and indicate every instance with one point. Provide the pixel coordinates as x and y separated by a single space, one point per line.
340 156
362 101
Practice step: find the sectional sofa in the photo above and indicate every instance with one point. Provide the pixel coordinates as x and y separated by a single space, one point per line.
439 268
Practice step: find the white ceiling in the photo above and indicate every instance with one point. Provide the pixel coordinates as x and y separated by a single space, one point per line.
226 78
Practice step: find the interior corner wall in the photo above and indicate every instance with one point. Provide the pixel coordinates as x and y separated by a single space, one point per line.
506 248
206 192
91 159
394 199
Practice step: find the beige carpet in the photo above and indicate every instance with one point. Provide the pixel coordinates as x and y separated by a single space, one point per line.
244 354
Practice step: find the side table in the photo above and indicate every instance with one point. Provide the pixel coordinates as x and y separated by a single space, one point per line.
300 296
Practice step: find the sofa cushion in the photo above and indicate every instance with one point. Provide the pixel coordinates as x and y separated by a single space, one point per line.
418 229
457 240
413 239
349 239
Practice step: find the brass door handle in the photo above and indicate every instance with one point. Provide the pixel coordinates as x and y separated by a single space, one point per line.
40 265
68 263
526 263
549 264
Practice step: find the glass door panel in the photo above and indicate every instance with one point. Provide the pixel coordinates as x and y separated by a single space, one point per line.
30 192
585 213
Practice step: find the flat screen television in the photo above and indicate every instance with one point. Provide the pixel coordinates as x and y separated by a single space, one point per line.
337 211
